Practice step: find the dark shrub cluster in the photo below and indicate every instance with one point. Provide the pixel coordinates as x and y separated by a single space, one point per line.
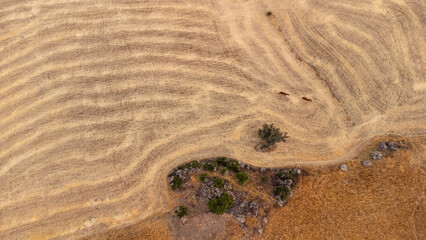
287 175
181 211
209 166
221 204
176 183
195 164
283 192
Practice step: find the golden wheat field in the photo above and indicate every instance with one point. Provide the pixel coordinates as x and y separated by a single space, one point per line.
100 99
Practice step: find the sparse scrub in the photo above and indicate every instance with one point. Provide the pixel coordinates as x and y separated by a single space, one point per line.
241 177
218 182
203 177
195 164
224 170
181 211
210 166
265 179
287 175
233 166
221 204
176 183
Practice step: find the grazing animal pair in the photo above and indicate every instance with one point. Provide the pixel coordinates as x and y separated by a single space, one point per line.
304 98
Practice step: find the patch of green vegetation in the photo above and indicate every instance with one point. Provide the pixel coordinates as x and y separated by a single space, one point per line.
181 211
195 164
210 166
233 166
176 183
221 204
203 177
224 170
218 182
269 13
283 192
265 179
241 177
290 174
221 161
185 166
271 135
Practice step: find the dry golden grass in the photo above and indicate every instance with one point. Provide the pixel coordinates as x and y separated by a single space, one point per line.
100 99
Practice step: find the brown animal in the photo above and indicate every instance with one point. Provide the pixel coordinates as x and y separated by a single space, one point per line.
283 93
307 99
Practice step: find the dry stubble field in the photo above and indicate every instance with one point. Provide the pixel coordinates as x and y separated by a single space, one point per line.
100 99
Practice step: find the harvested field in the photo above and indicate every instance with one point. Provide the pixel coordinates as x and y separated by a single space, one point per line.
99 100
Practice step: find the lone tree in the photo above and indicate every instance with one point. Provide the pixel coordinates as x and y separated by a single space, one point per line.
271 135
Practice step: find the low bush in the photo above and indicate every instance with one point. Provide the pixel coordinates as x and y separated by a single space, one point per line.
290 174
233 166
224 170
220 205
203 177
185 166
176 183
221 161
218 182
265 179
210 166
269 13
241 177
195 164
283 192
181 211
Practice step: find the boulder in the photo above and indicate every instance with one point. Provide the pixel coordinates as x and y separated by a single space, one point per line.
383 146
376 155
343 167
366 163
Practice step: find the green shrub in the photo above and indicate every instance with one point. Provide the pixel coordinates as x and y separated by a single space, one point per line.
241 177
176 183
224 170
290 174
181 211
271 135
233 166
210 166
269 13
203 177
283 192
265 179
221 161
218 182
221 204
195 164
184 166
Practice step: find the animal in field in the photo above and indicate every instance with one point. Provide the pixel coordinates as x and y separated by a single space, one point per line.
306 99
283 93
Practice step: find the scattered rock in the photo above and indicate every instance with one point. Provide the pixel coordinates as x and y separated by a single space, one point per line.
366 163
376 155
383 146
298 171
263 169
208 190
265 220
343 167
392 146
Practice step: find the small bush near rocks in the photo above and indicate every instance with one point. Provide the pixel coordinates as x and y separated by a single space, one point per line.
288 175
195 164
221 204
203 177
233 166
185 166
282 192
176 183
218 182
265 179
241 177
210 166
224 170
181 211
269 13
221 161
